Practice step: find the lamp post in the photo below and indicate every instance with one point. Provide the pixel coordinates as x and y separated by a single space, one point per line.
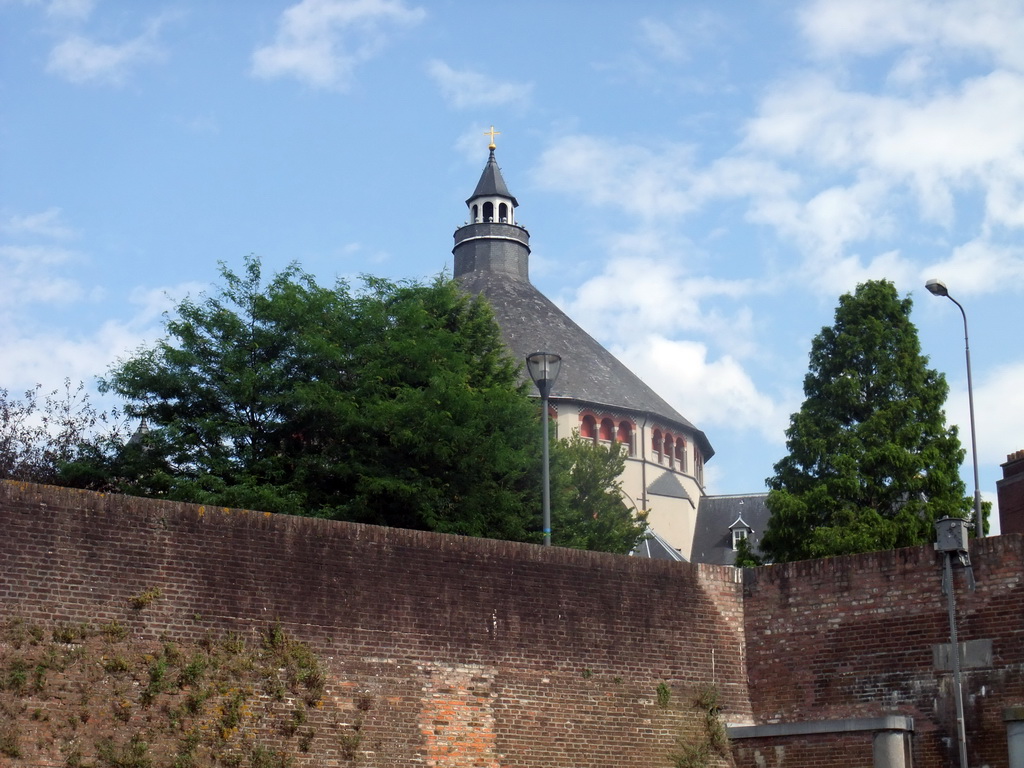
938 288
543 368
952 538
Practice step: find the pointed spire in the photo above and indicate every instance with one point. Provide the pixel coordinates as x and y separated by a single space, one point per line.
491 183
492 241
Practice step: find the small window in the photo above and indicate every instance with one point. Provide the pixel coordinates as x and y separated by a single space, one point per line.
738 535
624 435
588 427
607 430
656 445
669 457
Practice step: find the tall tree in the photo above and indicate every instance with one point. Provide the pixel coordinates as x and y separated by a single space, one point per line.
872 463
395 404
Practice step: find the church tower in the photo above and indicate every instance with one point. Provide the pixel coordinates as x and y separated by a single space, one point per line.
594 393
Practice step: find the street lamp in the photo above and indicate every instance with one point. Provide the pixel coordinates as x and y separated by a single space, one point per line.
938 288
543 368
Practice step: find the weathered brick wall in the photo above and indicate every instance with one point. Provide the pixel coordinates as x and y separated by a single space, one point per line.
474 652
817 751
856 637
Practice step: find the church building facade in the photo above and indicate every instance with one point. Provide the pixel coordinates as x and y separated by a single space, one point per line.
595 393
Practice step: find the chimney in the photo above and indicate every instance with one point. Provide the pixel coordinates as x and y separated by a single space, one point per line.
1010 491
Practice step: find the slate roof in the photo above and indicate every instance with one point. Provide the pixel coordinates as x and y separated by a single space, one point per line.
668 484
530 322
712 538
653 547
492 183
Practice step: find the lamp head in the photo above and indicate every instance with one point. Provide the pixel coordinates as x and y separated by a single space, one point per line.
543 368
937 287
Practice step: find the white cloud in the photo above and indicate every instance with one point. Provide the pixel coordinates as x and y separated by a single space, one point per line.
84 353
320 42
70 9
46 224
999 410
645 287
81 60
466 89
991 29
979 266
644 183
710 392
663 39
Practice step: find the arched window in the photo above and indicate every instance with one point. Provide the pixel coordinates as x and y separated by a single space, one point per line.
607 430
625 435
656 444
681 453
698 466
669 452
488 211
476 213
503 212
588 427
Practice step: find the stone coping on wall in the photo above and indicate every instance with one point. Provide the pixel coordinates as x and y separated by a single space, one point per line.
1013 714
807 728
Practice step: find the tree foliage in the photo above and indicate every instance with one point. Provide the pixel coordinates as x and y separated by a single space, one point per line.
40 434
871 462
588 511
395 404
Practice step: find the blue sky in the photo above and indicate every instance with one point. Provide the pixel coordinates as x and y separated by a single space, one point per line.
701 180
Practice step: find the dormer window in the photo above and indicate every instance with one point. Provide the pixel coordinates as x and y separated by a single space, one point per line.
740 530
738 535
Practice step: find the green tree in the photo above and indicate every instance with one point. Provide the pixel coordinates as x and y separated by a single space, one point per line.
588 511
396 404
871 462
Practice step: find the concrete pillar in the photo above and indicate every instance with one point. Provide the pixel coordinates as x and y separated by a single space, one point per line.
889 749
1014 719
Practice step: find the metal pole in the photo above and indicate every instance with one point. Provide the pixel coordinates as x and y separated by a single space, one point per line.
547 470
958 696
974 442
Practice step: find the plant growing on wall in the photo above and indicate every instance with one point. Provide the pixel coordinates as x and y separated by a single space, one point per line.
713 746
202 704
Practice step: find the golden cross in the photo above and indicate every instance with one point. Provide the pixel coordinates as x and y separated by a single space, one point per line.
492 133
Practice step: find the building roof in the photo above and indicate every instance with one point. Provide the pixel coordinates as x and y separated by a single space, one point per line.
530 322
492 183
667 484
492 260
654 547
717 515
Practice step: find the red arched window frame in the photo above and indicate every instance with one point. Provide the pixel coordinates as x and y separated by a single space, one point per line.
588 427
624 435
681 454
656 444
607 430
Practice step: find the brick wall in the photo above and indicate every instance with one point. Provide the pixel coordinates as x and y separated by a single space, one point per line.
483 653
1010 491
863 636
475 652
